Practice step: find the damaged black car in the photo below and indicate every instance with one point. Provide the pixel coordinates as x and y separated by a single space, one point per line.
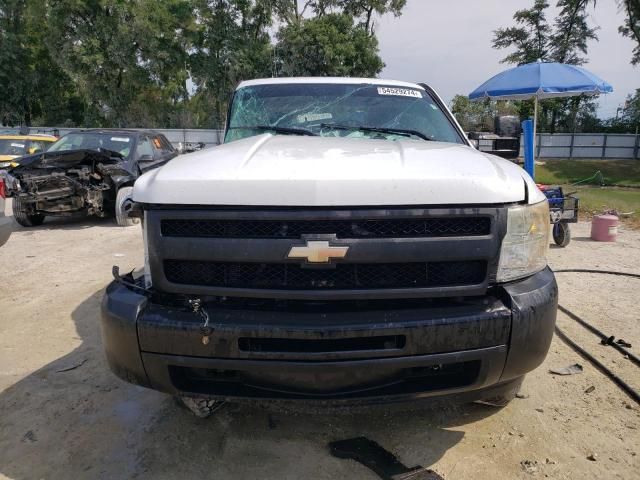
89 172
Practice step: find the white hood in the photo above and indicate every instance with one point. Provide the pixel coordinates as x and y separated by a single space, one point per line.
288 170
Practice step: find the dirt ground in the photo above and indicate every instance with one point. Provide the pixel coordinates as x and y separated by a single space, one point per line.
64 415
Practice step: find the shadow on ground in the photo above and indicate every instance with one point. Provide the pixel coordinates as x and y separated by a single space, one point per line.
69 223
74 419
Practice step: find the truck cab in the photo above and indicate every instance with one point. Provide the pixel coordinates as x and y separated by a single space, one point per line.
346 244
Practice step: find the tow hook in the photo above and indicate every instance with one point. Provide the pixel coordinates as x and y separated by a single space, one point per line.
205 329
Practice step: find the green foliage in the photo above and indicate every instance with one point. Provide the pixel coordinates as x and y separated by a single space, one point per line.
363 11
478 116
128 59
631 26
170 63
572 32
532 39
330 45
231 44
32 86
627 119
530 36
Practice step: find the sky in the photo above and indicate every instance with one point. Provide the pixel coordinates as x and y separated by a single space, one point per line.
447 44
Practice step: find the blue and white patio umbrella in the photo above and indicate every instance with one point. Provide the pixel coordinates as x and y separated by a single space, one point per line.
541 80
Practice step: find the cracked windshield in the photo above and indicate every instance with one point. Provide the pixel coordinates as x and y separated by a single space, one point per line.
339 110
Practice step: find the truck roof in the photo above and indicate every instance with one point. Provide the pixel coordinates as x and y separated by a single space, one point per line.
337 80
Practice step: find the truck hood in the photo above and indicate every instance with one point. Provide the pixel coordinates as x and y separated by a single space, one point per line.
287 170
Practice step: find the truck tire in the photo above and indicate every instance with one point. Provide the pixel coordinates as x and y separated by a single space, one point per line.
22 217
121 215
561 234
199 406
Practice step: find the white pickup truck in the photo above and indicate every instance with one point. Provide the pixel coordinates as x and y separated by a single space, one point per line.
345 245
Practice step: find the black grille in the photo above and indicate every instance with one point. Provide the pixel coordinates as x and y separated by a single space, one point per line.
343 276
387 228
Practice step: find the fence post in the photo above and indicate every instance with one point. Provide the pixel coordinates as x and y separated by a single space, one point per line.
636 146
527 134
573 136
537 141
604 146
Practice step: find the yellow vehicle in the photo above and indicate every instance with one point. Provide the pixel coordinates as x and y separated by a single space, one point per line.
14 146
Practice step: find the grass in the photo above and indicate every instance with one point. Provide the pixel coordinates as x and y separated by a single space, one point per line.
594 200
621 180
622 173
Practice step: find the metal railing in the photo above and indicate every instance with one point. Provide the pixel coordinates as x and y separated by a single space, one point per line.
605 146
610 146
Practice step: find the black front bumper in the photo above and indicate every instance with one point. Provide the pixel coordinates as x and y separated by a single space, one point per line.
399 352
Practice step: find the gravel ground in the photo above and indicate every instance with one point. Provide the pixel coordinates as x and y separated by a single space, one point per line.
64 415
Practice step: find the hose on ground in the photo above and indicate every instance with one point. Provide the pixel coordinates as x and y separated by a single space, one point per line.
596 363
600 334
588 270
586 355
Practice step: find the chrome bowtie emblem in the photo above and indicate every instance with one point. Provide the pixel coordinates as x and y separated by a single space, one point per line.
317 252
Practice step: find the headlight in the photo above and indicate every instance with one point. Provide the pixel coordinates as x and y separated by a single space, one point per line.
525 246
5 164
147 266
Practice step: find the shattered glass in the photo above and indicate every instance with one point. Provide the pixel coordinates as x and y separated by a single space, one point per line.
316 107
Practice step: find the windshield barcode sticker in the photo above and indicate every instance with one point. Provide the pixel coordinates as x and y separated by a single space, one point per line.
18 145
119 139
401 92
314 117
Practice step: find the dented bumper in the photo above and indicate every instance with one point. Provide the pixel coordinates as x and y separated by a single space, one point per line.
386 352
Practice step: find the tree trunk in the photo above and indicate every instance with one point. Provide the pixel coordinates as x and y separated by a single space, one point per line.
368 25
576 107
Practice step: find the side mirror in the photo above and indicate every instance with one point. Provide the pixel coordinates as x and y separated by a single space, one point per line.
145 158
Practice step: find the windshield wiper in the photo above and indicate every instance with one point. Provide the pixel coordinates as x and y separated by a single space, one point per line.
397 131
284 130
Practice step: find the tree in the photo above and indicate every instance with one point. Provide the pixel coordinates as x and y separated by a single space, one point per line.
631 26
572 32
175 63
366 10
566 42
363 11
631 111
569 41
231 44
329 45
34 89
530 36
479 115
128 59
97 46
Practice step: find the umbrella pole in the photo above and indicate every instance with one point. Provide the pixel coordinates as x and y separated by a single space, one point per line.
535 124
